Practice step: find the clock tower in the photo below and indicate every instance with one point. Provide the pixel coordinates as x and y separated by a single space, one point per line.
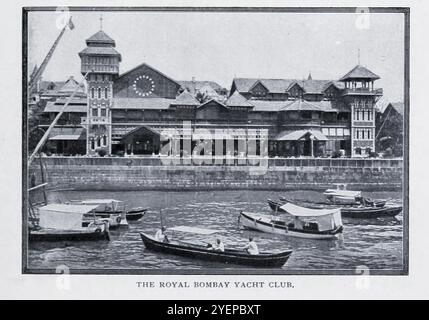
101 60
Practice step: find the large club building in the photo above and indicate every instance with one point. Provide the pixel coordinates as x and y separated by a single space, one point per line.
126 113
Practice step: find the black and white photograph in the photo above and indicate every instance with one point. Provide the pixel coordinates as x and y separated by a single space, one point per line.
215 140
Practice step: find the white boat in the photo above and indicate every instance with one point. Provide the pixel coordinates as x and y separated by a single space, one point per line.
110 210
318 224
66 222
342 196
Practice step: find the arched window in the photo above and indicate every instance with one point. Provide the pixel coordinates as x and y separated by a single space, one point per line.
92 144
92 93
104 140
105 93
99 93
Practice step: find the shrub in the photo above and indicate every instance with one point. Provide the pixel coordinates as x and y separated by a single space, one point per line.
101 152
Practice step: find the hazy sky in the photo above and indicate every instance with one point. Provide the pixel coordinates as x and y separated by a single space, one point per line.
221 46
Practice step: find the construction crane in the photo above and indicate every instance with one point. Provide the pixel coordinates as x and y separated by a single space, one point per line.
36 75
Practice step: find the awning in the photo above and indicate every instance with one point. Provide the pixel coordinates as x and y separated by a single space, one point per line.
67 134
142 130
300 135
298 211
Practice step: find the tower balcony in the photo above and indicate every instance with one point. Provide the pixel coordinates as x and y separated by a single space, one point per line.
93 120
100 68
364 91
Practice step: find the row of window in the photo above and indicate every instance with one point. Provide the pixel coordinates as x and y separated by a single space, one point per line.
363 115
363 104
99 60
100 93
363 134
336 132
99 112
98 142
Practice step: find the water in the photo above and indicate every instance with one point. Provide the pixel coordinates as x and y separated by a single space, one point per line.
376 244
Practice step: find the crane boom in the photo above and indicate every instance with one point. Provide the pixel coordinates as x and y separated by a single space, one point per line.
46 135
36 75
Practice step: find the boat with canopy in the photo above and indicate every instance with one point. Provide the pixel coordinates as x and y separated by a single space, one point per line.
113 211
65 222
365 210
304 222
202 252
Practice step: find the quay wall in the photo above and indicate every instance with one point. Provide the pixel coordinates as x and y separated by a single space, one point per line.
104 173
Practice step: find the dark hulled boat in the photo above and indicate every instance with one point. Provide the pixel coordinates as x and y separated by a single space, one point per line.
136 214
229 256
347 211
70 235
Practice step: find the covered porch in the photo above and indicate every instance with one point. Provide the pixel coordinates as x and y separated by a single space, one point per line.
299 143
66 141
142 140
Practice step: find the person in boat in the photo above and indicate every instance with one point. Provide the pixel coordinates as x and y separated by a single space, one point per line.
161 236
251 247
219 246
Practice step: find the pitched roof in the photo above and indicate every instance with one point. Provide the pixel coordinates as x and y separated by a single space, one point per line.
76 105
283 85
303 105
237 100
142 103
299 134
193 86
215 101
397 106
101 51
268 106
71 85
144 64
185 99
100 38
360 72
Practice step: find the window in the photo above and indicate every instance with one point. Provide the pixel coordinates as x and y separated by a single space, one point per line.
92 93
332 132
104 140
325 131
357 114
94 112
92 144
346 132
358 151
340 132
99 93
98 142
103 112
105 93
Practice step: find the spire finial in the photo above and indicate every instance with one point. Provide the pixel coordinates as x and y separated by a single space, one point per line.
359 56
101 22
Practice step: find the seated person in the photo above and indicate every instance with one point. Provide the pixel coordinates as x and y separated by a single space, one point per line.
219 246
161 236
251 247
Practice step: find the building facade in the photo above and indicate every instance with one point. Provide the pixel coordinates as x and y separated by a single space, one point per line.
126 113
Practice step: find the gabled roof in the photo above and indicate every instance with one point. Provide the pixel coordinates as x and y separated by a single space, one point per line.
193 86
256 83
213 100
244 85
185 99
397 106
150 67
100 38
360 72
237 100
299 134
71 85
302 105
268 106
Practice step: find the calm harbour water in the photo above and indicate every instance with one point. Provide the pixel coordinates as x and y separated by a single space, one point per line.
376 244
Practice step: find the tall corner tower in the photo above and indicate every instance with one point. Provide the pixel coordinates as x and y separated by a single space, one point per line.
101 61
361 96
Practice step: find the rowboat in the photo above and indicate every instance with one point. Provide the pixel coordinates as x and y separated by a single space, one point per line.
136 214
65 222
296 228
347 211
229 256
